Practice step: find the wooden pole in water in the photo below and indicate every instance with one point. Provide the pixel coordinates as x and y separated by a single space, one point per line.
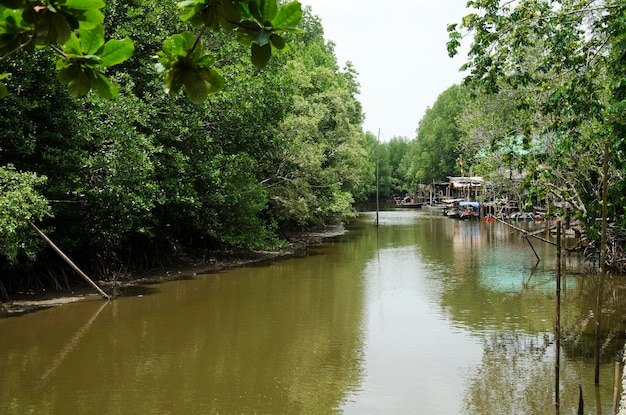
377 174
605 196
557 325
69 261
616 386
581 402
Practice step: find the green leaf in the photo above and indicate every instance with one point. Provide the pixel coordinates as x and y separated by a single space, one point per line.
3 90
91 40
91 18
204 60
230 14
278 42
11 21
215 79
261 55
288 16
84 4
79 85
196 87
268 9
73 46
103 86
91 61
177 44
67 72
173 81
247 30
253 7
71 17
52 29
117 51
262 37
13 30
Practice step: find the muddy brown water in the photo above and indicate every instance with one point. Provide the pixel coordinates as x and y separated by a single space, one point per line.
422 315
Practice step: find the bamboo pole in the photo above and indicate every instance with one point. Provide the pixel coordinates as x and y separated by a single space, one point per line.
377 174
69 261
557 324
605 196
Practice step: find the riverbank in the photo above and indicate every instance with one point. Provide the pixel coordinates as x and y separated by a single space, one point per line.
23 303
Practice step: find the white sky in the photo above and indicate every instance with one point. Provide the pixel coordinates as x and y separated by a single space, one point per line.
398 47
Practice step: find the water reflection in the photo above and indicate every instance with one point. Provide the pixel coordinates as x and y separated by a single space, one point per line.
482 283
422 315
277 339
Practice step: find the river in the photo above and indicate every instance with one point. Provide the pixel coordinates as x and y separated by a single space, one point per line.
420 315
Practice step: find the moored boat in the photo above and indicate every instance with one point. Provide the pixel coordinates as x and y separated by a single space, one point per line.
408 202
469 210
436 208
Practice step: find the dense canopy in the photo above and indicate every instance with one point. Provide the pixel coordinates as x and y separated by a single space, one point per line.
146 178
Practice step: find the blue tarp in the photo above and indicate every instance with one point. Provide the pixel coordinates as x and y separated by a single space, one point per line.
475 205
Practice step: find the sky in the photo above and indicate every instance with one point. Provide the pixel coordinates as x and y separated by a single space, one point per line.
398 47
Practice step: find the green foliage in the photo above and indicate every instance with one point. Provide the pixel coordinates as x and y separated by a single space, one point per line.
319 166
550 74
397 148
389 156
435 153
84 54
188 66
26 24
74 29
276 150
114 177
262 31
20 204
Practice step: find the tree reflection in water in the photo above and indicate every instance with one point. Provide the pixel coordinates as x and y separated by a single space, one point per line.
517 377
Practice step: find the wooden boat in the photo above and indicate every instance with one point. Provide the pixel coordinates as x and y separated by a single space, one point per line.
436 208
408 202
469 210
464 211
453 213
468 214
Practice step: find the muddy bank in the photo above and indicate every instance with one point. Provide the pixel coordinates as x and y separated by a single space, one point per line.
23 303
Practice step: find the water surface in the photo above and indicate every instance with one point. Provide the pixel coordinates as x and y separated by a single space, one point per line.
422 315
